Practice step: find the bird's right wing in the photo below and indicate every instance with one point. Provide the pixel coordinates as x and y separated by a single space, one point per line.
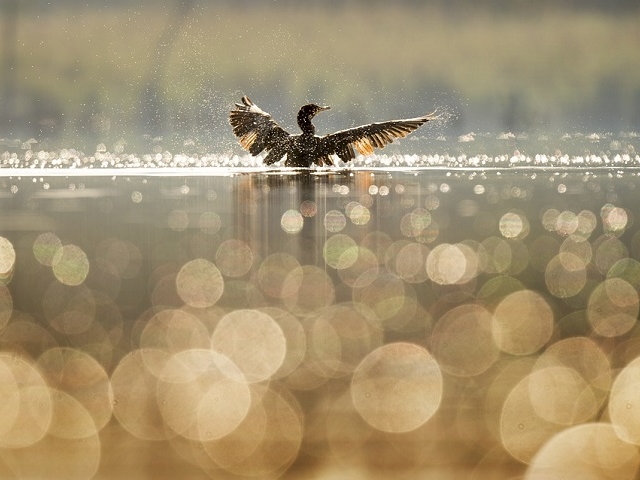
257 131
346 144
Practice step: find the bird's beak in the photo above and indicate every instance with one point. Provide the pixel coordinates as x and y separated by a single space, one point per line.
326 107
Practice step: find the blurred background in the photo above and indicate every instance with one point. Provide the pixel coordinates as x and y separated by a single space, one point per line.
440 313
84 72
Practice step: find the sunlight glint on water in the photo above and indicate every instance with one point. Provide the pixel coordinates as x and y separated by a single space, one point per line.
407 315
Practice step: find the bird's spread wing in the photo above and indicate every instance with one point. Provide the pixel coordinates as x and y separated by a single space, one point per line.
346 144
257 131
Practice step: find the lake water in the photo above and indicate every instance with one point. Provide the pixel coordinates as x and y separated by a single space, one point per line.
199 316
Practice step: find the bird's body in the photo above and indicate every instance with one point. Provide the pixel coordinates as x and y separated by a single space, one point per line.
258 132
301 149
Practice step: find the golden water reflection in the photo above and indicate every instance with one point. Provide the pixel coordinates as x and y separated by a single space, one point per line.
365 325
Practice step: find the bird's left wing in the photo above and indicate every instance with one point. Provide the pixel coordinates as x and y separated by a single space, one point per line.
346 144
257 131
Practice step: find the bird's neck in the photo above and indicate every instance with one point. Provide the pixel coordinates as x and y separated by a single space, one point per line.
304 122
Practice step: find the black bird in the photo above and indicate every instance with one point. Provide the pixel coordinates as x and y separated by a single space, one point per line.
257 131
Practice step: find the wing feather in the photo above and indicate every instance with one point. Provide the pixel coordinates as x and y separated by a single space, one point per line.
257 131
346 144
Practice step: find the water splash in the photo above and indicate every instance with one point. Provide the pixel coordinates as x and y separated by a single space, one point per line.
504 150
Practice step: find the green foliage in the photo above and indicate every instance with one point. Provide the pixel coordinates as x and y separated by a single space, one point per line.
384 59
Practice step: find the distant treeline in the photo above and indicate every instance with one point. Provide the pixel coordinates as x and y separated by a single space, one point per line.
105 70
457 6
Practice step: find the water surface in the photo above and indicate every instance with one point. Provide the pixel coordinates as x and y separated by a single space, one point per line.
380 321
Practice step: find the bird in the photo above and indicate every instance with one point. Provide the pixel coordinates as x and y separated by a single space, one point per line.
257 132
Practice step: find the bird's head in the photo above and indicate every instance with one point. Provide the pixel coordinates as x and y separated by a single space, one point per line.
311 110
306 113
